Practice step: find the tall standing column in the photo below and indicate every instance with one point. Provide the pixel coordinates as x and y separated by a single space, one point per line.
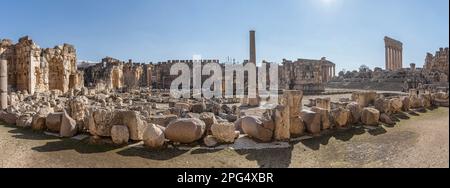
334 70
389 59
252 101
252 47
401 59
386 49
393 59
394 67
3 84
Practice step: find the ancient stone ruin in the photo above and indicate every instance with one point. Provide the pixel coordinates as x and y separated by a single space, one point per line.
308 75
34 69
45 90
394 54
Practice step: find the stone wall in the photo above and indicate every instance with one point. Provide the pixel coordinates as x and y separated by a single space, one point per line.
307 75
436 67
116 74
35 69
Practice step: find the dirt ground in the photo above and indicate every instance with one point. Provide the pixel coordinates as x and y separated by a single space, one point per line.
421 141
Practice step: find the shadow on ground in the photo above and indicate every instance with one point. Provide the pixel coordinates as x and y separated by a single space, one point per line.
265 158
160 155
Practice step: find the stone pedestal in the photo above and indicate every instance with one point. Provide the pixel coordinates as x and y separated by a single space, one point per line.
3 84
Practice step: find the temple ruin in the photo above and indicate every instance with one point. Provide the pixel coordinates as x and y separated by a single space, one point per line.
394 54
34 69
114 74
436 67
308 75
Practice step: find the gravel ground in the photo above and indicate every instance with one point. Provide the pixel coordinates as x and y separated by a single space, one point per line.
421 141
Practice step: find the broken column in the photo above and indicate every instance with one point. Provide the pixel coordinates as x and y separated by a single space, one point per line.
324 103
3 84
288 115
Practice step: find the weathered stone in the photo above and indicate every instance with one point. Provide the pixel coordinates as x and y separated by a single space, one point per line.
135 125
210 141
53 121
415 102
364 98
287 113
24 121
223 132
101 122
258 128
78 110
68 126
382 105
324 117
209 119
183 106
154 137
297 127
340 117
120 134
312 121
3 83
163 120
282 123
39 118
384 118
406 103
185 130
370 116
355 112
199 107
426 100
324 103
395 105
9 118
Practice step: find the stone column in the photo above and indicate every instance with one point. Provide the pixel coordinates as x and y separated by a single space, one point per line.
394 54
3 84
389 59
401 59
287 114
252 47
395 59
334 70
331 72
386 57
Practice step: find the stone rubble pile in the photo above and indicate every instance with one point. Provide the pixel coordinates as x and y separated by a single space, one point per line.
157 120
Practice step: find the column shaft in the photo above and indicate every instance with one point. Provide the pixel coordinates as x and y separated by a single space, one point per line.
3 84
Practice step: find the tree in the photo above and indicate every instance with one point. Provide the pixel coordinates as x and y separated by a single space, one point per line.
364 68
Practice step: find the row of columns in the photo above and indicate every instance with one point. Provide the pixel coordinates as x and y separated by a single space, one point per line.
394 58
3 84
329 72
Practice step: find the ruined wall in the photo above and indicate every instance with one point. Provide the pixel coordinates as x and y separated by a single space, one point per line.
304 74
37 70
116 74
437 67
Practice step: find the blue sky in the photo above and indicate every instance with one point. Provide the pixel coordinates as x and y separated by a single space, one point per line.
347 32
